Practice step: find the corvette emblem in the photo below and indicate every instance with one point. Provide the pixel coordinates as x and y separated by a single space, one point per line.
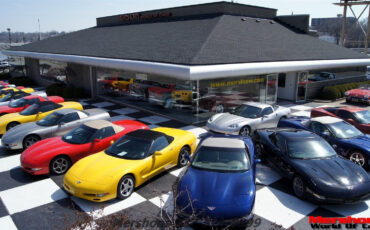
78 182
211 208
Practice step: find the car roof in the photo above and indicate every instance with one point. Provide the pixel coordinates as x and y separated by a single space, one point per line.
295 134
326 119
257 104
99 124
145 134
352 109
223 142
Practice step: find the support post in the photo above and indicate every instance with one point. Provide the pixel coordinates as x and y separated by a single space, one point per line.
368 33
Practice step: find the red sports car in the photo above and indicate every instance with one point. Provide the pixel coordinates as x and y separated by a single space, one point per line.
358 117
361 94
56 155
16 106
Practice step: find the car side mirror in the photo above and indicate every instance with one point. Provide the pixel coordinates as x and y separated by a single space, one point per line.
157 153
257 160
61 124
96 140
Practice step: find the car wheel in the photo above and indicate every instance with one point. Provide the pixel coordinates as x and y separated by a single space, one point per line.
258 150
59 165
11 125
125 187
245 131
282 118
299 187
219 108
30 140
358 158
182 161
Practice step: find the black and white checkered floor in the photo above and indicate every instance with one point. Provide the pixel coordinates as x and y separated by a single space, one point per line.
29 202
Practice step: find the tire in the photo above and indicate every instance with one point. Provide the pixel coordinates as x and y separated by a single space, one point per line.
282 118
30 140
219 108
299 187
125 187
181 160
358 158
59 165
258 150
11 125
245 131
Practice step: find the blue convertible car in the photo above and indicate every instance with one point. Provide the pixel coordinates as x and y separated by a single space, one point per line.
219 185
342 136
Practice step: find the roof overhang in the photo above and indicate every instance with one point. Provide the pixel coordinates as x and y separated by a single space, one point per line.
198 72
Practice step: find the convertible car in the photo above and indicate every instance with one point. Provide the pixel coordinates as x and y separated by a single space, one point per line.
219 185
34 113
342 136
5 91
316 171
246 118
358 117
128 163
361 95
21 104
87 139
55 124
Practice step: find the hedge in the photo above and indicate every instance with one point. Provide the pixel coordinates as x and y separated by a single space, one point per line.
337 91
5 76
67 92
21 81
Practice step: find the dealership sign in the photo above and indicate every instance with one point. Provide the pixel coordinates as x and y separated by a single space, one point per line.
348 222
140 16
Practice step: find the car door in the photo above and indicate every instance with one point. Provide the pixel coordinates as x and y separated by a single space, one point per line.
101 139
323 131
347 116
268 118
66 123
161 155
279 156
46 110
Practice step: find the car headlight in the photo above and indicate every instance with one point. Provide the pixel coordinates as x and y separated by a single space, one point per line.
346 94
233 126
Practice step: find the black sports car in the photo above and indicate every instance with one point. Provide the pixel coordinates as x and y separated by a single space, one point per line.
316 171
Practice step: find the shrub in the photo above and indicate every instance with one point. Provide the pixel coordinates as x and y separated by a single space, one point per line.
337 91
330 93
21 81
5 76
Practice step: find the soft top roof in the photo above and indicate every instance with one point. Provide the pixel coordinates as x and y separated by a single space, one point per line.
99 124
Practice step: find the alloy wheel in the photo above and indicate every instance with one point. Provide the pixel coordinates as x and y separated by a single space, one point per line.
298 186
182 157
30 141
244 131
357 158
60 165
126 187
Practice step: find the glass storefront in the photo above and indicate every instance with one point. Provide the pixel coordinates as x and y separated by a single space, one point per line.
53 70
188 101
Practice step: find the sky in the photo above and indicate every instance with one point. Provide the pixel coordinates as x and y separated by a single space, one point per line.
72 15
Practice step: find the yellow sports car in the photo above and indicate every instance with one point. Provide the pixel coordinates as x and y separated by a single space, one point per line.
128 163
122 85
34 113
5 91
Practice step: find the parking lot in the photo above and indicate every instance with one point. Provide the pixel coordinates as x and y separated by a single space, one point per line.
39 202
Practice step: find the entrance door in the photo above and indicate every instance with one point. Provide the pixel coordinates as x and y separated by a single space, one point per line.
271 88
301 86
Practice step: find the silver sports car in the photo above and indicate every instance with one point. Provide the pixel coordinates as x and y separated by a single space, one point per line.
57 123
246 118
17 95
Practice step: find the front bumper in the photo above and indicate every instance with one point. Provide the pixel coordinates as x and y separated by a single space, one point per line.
218 129
358 99
321 199
11 145
88 190
34 169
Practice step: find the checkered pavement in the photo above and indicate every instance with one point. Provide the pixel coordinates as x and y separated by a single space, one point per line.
39 202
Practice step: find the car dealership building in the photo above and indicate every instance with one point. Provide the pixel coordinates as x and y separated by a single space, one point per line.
189 62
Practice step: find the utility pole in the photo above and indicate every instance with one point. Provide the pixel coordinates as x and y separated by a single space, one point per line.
367 34
10 36
39 29
344 21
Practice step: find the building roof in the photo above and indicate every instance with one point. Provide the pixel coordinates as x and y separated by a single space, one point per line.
214 40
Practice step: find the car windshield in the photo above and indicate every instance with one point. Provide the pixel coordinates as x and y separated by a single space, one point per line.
17 103
7 97
32 110
79 135
363 117
221 159
50 120
247 111
344 130
129 148
309 149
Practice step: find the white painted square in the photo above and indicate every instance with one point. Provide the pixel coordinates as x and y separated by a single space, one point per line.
7 163
7 223
98 210
194 129
102 104
265 175
31 195
301 107
121 117
281 208
355 210
125 111
178 172
154 119
153 126
301 113
164 201
83 103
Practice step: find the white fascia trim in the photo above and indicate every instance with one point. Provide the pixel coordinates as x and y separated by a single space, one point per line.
200 72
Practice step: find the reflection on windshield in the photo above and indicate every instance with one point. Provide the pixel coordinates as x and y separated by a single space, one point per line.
363 117
308 149
32 110
80 135
17 103
221 159
247 111
50 120
7 97
129 148
344 130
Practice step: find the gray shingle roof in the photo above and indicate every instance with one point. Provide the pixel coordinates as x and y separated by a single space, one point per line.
217 40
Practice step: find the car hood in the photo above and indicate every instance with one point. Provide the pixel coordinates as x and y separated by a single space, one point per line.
96 167
361 141
209 187
333 172
226 119
20 131
360 92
